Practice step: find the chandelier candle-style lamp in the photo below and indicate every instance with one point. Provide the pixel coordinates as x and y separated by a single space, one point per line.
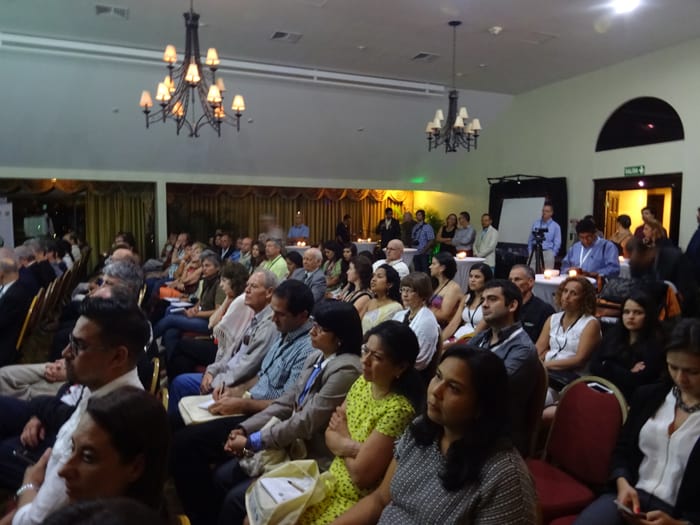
455 132
186 87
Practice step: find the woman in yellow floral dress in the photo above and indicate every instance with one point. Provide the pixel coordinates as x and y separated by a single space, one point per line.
378 408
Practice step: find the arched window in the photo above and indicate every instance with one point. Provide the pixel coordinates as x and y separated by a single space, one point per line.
638 122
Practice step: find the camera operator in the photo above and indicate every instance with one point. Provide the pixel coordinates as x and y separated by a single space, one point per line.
550 233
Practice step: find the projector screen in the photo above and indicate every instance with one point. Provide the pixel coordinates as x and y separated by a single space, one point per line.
517 216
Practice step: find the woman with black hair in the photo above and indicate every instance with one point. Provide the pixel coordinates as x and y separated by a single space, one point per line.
631 353
305 410
469 314
455 463
379 406
331 267
349 251
357 292
386 287
655 466
447 294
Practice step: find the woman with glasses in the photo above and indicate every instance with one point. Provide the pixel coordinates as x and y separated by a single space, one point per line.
386 287
469 313
305 410
455 463
416 290
379 406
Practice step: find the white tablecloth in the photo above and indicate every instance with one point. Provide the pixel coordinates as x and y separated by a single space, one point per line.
299 249
546 288
365 246
463 267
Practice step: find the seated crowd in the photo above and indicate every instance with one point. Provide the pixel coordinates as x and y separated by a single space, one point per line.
414 395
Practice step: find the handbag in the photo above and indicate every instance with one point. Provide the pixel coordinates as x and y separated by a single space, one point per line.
268 459
279 497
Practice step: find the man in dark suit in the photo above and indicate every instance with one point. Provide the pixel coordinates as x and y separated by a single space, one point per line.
311 274
389 228
15 299
42 267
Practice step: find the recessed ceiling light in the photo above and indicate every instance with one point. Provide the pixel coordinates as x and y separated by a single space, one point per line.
650 125
495 30
483 66
625 6
640 183
361 47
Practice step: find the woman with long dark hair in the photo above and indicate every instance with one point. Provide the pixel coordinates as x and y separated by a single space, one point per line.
447 293
385 285
631 353
469 314
456 463
379 406
356 292
331 267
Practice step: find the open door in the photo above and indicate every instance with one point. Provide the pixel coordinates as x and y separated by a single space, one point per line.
628 195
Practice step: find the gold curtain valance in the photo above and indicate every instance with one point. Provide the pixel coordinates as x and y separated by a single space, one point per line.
9 187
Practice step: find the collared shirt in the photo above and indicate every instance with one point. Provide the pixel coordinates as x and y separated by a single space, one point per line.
283 364
300 231
5 287
421 235
552 237
278 266
52 494
464 238
398 265
601 258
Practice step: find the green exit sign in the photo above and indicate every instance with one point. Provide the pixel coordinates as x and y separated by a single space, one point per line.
634 171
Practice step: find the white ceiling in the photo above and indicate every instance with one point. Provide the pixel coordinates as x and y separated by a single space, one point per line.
542 41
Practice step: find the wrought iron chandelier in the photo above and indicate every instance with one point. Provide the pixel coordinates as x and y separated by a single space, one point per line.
186 87
454 132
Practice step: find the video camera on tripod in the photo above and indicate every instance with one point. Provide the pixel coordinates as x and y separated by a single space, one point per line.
538 236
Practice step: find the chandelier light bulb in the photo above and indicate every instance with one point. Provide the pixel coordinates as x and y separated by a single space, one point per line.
439 116
162 94
146 100
238 104
178 110
170 55
463 113
459 123
429 128
214 96
192 76
212 57
476 125
169 84
220 84
219 112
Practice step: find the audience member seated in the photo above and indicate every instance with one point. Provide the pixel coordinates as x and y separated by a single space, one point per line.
534 312
622 234
394 258
15 299
257 256
656 463
455 463
195 447
386 287
274 260
469 313
246 247
630 354
113 511
191 352
570 336
416 290
125 435
294 263
107 342
448 294
188 274
331 267
226 247
446 233
506 338
25 260
379 406
195 318
243 338
304 411
356 292
591 256
311 274
41 267
349 251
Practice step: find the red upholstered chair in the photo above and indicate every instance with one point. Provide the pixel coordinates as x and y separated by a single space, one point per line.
566 520
580 443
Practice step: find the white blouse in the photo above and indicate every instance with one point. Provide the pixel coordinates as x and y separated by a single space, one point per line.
665 457
564 343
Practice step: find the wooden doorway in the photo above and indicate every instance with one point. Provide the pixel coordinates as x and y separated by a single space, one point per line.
612 197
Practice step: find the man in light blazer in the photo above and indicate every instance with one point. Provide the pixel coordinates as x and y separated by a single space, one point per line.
485 242
311 274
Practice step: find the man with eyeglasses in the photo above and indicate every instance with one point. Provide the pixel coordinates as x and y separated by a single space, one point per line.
104 347
591 256
394 258
195 447
241 353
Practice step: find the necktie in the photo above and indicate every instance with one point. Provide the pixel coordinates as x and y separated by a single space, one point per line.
310 381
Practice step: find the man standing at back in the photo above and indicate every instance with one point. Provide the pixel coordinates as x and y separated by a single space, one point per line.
388 228
506 338
106 343
423 239
551 233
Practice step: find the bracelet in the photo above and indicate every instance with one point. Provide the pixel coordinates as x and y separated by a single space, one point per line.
24 488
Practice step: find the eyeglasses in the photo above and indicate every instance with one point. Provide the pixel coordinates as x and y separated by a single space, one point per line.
315 326
76 346
374 356
406 289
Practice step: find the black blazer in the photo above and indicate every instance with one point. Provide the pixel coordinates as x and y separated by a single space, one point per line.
13 309
627 457
392 232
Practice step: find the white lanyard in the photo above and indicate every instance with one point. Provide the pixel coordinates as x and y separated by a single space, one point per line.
582 258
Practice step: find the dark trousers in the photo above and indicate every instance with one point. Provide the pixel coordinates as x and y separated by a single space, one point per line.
603 511
190 353
420 262
231 483
195 449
